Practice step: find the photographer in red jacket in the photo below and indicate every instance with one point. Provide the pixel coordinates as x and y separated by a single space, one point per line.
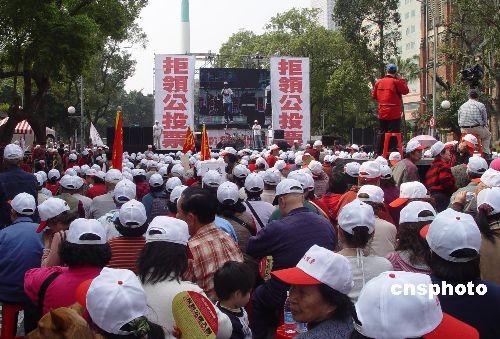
388 91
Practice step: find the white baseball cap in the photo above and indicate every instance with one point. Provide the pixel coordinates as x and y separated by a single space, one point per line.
43 175
315 167
23 203
73 157
82 226
168 229
488 196
132 214
272 176
451 231
273 147
100 174
125 190
477 165
371 193
318 143
319 266
288 186
114 298
280 164
413 145
369 170
410 190
356 213
212 178
385 314
298 160
176 193
470 139
70 171
240 171
68 182
39 179
172 183
381 160
178 170
394 158
352 169
53 174
410 213
437 148
228 192
50 208
301 177
113 176
77 182
13 152
491 178
156 180
385 172
254 183
355 147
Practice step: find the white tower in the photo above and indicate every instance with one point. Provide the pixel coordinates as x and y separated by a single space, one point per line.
185 28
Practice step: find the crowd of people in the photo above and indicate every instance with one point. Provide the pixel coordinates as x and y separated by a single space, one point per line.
110 248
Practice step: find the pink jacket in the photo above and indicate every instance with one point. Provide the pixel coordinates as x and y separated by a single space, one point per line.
61 292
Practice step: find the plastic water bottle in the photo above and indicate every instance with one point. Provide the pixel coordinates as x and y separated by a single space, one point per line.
301 327
290 325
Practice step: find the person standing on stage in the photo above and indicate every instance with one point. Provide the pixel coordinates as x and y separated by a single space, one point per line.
257 141
227 102
473 119
157 131
388 92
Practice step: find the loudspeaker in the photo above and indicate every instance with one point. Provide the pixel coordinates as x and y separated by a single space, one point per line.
363 136
279 134
147 136
135 137
283 145
110 137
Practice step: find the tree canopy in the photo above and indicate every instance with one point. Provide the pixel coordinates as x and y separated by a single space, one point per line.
339 85
43 43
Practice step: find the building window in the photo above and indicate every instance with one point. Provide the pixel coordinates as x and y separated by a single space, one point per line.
412 28
412 45
412 13
407 15
408 46
407 30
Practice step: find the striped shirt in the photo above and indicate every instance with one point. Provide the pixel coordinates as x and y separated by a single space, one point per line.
125 252
472 113
439 178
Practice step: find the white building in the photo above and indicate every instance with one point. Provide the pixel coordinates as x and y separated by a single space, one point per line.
325 14
409 46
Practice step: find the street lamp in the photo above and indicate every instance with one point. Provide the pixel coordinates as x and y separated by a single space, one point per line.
425 3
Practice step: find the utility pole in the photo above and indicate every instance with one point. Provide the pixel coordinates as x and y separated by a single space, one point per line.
82 136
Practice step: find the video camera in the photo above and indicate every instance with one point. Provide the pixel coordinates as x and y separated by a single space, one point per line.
473 75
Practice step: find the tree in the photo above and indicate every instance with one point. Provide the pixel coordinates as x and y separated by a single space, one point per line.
137 108
372 30
409 67
339 88
43 42
473 36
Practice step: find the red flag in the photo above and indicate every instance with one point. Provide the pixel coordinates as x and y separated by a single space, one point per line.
205 148
188 141
118 142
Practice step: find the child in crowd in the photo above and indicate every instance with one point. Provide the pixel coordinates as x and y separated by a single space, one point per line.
233 283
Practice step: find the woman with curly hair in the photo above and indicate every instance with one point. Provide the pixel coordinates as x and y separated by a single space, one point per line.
411 248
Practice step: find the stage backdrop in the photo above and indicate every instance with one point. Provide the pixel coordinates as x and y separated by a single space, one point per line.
174 100
290 97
